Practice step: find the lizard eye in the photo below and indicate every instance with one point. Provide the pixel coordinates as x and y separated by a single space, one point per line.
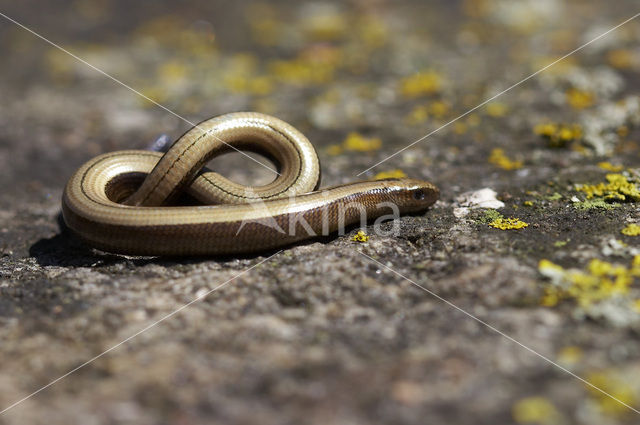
418 195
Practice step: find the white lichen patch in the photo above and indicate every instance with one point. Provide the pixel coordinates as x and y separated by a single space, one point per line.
615 247
600 125
604 82
526 14
483 198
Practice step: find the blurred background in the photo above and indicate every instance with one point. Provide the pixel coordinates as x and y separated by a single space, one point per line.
384 72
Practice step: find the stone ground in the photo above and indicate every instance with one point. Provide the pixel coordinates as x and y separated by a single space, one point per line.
319 333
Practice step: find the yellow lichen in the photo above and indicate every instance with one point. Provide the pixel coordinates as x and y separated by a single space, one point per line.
621 58
631 230
266 31
536 410
617 189
580 99
558 69
622 131
357 142
476 8
257 85
510 223
550 298
158 27
423 83
264 105
326 25
528 203
419 114
499 158
570 355
305 70
606 165
600 281
577 147
372 31
243 63
496 109
618 388
392 174
176 33
59 66
439 109
155 93
334 150
473 120
265 27
558 135
549 266
459 127
172 71
360 237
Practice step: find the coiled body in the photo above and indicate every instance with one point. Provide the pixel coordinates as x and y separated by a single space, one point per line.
106 204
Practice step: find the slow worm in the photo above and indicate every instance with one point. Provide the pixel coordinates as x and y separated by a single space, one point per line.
130 202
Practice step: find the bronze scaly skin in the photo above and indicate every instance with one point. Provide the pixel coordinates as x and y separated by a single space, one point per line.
106 206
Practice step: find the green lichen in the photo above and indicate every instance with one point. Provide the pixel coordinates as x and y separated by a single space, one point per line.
494 219
488 216
594 203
